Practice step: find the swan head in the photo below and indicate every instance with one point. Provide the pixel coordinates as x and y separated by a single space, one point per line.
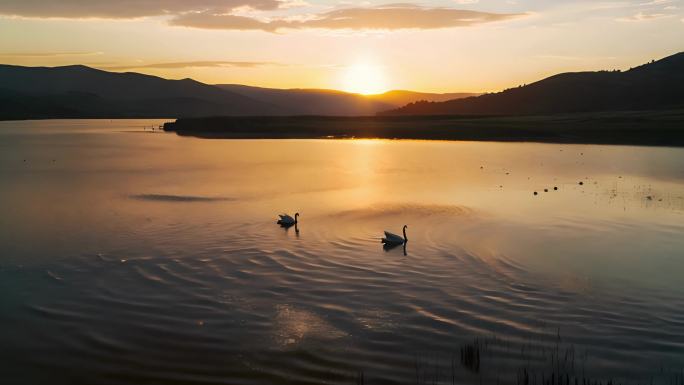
296 215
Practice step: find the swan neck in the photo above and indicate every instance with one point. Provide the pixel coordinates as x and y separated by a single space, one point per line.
405 239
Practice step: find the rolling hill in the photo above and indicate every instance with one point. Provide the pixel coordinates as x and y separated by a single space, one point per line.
656 85
302 101
403 97
312 101
82 92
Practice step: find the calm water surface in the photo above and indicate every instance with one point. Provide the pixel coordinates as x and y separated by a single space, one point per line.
131 257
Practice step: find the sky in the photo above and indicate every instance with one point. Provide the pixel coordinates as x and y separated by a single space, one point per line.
358 46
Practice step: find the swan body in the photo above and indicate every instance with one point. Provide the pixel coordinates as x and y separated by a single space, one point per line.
286 220
394 239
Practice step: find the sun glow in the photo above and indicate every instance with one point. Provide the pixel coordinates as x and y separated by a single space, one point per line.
364 78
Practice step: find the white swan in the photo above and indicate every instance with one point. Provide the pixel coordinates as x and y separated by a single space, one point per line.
286 220
394 239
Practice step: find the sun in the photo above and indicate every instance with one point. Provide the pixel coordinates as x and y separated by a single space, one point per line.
364 78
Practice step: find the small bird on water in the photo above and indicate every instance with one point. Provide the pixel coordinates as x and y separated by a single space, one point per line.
394 239
286 220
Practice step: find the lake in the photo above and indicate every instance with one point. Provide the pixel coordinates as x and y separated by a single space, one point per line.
136 257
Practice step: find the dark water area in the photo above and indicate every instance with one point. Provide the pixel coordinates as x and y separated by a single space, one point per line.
133 257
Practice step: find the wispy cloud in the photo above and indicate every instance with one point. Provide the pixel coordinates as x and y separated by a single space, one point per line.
656 2
121 9
178 198
643 16
575 58
388 17
45 54
192 64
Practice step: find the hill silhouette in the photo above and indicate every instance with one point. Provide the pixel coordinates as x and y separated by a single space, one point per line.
656 85
312 101
82 92
403 97
302 101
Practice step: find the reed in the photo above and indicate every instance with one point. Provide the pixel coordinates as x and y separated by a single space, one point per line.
545 361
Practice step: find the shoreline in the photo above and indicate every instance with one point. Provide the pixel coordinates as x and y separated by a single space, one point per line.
646 128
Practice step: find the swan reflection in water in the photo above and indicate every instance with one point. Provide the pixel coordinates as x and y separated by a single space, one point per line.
387 247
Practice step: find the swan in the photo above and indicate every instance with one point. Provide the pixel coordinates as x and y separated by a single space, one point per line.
394 239
286 220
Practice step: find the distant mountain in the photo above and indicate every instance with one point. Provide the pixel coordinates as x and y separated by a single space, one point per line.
656 85
402 97
81 92
298 101
311 101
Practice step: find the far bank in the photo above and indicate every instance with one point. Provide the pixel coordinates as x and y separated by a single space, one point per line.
648 128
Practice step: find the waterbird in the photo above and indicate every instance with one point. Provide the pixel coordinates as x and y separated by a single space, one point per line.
286 220
394 239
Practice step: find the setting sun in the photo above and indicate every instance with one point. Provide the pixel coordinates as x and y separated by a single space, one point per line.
364 78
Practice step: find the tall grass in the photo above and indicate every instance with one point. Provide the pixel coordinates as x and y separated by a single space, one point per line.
548 361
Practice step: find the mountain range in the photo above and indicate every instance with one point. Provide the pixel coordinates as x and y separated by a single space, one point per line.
656 85
301 101
84 92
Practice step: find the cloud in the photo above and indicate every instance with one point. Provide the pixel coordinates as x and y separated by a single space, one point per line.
575 58
284 4
46 54
209 20
178 198
121 9
255 15
387 17
641 16
192 64
655 2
